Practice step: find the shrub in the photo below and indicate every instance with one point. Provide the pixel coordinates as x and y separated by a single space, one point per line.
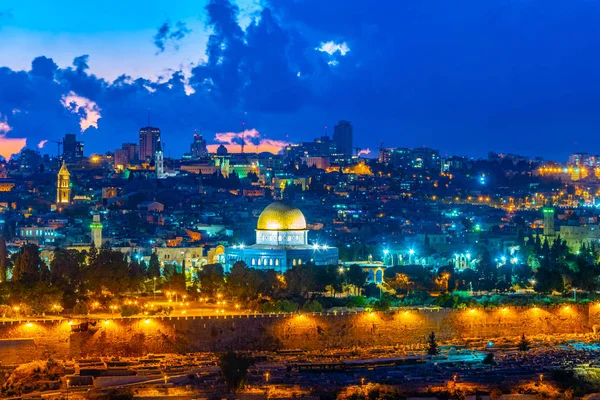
127 310
312 306
81 308
356 301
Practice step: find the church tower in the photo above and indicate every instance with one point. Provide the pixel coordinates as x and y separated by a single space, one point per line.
159 162
63 186
96 228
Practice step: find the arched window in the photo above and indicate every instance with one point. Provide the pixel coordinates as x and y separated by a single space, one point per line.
259 261
277 262
299 262
294 262
270 261
253 261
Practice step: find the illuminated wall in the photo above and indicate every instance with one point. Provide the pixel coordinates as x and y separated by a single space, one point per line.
133 337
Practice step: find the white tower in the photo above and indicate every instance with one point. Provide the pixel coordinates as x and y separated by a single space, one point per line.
96 228
159 162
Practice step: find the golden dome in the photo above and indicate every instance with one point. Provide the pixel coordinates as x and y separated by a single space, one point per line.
281 217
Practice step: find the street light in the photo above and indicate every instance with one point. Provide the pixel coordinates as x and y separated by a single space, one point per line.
154 292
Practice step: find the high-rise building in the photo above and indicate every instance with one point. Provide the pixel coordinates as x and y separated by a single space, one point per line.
343 138
63 185
121 160
72 148
96 228
128 154
149 139
159 162
198 146
133 152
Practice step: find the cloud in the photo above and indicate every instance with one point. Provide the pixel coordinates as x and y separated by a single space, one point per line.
10 146
168 34
364 152
88 111
41 144
4 127
252 139
331 48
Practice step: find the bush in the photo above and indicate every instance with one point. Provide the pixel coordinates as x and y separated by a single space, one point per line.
356 301
81 308
127 310
312 306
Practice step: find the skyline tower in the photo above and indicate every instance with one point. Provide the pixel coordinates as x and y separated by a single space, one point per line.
198 146
72 148
63 185
149 139
343 138
96 228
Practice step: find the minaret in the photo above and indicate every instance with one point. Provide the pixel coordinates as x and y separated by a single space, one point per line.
63 186
96 228
159 162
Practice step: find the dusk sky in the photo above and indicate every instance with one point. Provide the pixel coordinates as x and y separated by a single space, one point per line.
466 77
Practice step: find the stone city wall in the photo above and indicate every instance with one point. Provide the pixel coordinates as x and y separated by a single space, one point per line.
25 341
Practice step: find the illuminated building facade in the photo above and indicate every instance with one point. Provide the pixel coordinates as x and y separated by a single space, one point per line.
281 242
63 186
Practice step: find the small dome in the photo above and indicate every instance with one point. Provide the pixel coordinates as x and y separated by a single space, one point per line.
281 217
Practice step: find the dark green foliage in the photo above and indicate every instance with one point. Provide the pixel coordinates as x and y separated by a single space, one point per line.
523 343
432 346
234 368
154 266
312 306
489 359
211 279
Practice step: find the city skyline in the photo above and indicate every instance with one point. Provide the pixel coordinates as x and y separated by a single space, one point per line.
466 79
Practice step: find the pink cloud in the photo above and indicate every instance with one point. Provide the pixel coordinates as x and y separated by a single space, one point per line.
41 144
88 111
254 142
364 152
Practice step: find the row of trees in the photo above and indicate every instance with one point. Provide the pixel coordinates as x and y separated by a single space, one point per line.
247 284
73 276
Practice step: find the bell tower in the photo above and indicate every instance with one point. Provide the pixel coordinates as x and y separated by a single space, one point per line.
63 185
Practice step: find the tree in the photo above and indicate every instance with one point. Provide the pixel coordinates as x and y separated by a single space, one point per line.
300 279
234 368
28 266
67 268
211 278
432 347
523 343
154 267
489 359
176 282
110 272
356 277
4 261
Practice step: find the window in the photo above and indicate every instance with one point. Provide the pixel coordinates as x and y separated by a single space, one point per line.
277 262
294 262
299 262
253 261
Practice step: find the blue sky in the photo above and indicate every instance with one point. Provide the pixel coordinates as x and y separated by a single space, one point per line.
466 76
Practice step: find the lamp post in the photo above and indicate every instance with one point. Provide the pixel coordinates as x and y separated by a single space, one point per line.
154 291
